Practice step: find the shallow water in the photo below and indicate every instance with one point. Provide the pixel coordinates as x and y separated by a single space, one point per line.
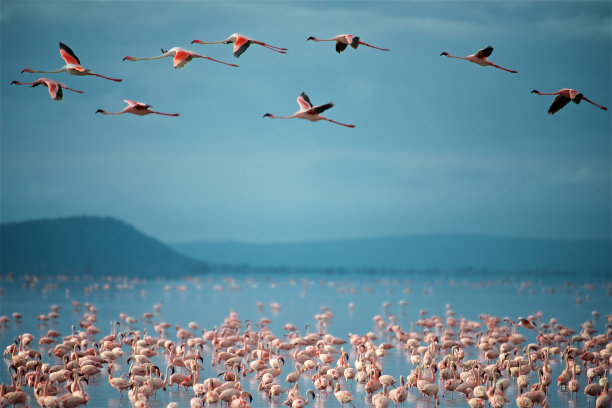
207 299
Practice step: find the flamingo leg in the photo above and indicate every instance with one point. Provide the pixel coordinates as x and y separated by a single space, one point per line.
166 114
221 62
70 89
102 76
509 70
337 123
593 103
269 46
368 45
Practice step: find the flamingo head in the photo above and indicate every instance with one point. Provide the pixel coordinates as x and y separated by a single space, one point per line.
311 38
15 82
100 111
267 115
535 91
196 41
128 58
444 53
30 70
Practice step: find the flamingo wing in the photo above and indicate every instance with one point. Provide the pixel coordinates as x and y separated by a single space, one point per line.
340 47
68 55
321 108
559 102
134 103
181 58
485 52
55 90
240 46
304 101
352 40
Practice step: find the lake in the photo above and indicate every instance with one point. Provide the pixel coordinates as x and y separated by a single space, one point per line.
354 298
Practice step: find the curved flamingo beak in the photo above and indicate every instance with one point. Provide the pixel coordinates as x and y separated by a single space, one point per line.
14 82
26 70
128 58
266 115
310 38
100 111
534 91
444 53
196 41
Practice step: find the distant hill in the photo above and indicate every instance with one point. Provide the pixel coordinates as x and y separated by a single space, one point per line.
92 245
444 252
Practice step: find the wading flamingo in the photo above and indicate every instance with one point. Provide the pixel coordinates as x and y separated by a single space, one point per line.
137 108
181 57
344 40
480 58
241 43
55 88
309 112
72 67
564 96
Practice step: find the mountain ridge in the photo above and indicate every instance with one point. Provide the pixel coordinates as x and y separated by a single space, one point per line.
86 244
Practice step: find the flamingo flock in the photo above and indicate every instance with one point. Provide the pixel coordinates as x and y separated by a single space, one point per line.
182 56
462 362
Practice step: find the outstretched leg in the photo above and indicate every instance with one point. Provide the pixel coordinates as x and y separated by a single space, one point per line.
368 45
337 123
509 70
593 103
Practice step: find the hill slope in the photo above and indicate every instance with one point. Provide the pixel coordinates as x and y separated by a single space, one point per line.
447 252
86 244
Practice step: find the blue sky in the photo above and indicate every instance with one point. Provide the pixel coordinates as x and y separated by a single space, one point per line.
440 145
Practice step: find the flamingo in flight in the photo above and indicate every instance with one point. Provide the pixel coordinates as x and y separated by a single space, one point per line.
241 43
137 108
309 112
480 58
55 88
73 65
564 96
181 57
344 40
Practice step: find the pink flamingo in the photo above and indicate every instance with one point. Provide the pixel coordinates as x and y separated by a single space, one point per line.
344 40
564 96
241 43
72 67
137 108
181 57
55 88
309 112
480 58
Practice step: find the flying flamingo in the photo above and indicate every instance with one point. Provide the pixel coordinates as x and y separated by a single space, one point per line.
55 88
344 40
241 43
480 58
563 97
309 112
73 65
181 57
137 108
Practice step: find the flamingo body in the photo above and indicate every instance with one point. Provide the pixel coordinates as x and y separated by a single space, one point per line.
136 108
242 43
564 96
308 111
480 58
72 67
55 88
344 40
181 56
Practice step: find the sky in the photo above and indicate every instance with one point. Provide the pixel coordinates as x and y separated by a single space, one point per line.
440 145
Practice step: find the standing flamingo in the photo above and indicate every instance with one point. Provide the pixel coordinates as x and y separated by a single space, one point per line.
55 88
480 58
309 112
241 43
344 40
181 57
72 67
137 108
564 96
